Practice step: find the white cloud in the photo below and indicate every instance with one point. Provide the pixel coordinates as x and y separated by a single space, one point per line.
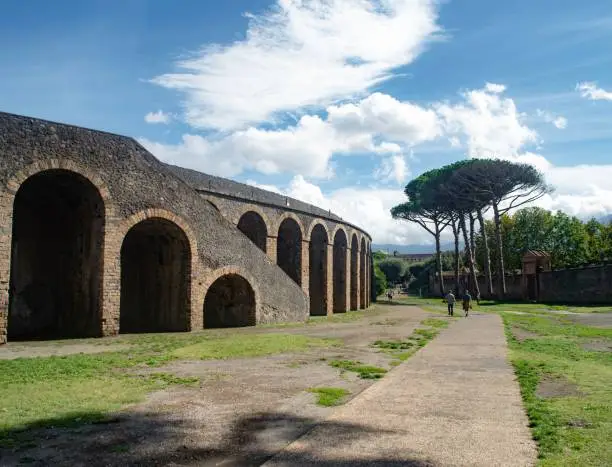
560 123
583 190
557 120
495 88
301 53
392 168
308 146
382 114
590 90
368 208
488 122
157 117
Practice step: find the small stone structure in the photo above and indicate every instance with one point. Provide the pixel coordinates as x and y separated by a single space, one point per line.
98 237
534 262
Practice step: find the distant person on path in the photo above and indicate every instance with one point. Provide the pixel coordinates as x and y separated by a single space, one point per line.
450 300
467 302
389 294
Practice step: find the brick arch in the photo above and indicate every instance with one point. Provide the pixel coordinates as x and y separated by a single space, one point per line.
354 267
256 209
256 227
290 248
335 231
362 273
211 276
340 270
78 325
289 215
118 236
312 226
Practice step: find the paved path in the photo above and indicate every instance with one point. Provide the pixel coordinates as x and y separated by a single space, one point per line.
454 403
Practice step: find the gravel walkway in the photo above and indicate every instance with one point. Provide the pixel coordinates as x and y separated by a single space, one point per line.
454 403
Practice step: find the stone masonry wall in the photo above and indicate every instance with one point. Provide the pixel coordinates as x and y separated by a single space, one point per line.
135 186
583 285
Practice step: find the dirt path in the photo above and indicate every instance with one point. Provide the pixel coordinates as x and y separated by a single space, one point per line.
243 412
455 403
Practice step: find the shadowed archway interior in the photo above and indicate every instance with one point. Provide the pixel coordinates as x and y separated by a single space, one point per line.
230 303
254 227
56 258
317 256
362 276
289 249
340 249
155 278
354 272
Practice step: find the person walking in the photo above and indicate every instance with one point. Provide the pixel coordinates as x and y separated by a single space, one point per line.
467 302
450 300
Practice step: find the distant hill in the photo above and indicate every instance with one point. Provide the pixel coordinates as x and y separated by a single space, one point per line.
411 249
606 219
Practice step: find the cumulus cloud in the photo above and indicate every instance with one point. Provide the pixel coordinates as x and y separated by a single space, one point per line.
308 146
301 53
590 90
157 117
488 123
485 122
392 169
368 208
557 120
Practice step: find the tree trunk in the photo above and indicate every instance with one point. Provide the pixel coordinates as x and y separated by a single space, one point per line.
439 260
472 239
470 257
487 254
455 228
501 272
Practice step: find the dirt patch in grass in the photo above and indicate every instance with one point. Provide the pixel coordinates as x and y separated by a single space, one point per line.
522 335
551 387
236 407
597 346
11 350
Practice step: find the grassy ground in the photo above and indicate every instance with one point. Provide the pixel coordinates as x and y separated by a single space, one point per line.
572 422
401 350
565 374
438 305
59 390
329 397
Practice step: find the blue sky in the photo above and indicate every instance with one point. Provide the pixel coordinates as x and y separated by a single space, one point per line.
107 64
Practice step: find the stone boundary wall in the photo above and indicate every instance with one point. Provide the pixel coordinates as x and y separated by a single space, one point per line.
581 285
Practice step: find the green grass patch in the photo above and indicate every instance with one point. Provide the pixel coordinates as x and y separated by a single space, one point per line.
435 323
402 349
254 345
329 397
81 388
569 430
364 371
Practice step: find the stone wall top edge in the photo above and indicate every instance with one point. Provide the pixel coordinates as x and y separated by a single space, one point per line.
198 180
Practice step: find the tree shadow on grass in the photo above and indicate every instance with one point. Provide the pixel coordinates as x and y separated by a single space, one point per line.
157 439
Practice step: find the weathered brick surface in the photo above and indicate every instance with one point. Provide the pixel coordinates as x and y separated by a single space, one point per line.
136 186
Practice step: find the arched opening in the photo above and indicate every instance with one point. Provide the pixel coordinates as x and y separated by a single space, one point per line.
340 247
289 249
155 278
370 274
362 275
354 274
229 303
253 226
317 256
56 262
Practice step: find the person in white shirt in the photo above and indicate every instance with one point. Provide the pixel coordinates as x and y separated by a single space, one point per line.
450 300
